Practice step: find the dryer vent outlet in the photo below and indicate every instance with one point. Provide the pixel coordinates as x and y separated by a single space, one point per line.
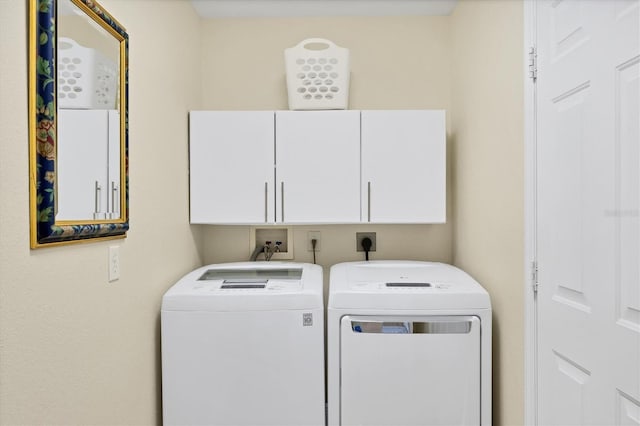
361 236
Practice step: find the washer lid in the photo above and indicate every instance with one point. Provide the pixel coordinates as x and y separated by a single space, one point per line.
404 285
247 286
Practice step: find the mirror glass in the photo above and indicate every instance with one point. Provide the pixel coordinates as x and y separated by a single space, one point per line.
78 139
88 157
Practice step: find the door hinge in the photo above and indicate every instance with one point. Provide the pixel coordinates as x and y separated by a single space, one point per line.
533 63
534 276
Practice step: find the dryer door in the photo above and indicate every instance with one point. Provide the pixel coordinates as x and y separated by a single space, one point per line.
418 370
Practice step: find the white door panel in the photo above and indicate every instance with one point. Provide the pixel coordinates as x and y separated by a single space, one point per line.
114 200
231 166
403 166
588 231
317 166
83 158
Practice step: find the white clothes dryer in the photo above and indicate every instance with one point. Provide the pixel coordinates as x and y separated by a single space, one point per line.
243 344
409 343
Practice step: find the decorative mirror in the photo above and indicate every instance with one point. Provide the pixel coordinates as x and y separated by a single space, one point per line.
78 119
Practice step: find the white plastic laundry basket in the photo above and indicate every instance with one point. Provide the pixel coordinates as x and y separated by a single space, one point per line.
86 78
317 75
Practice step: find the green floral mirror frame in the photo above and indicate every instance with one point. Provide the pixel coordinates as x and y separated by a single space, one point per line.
48 224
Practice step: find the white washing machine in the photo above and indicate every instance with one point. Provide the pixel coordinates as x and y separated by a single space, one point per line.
243 344
409 343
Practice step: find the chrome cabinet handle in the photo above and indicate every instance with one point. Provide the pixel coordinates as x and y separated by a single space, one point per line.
266 196
98 189
114 191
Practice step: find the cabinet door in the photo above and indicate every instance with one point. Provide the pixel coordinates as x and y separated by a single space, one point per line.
403 166
318 166
83 152
114 190
231 169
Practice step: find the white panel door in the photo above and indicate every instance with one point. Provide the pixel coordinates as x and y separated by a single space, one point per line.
318 166
231 166
82 168
409 371
588 191
404 166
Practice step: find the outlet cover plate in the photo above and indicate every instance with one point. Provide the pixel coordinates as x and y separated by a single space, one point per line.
114 263
362 235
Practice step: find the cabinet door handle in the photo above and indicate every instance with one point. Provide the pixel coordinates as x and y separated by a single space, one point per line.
266 196
114 191
98 189
368 201
282 201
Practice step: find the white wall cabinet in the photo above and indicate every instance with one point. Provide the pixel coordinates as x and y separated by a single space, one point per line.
317 166
403 166
252 167
88 167
232 167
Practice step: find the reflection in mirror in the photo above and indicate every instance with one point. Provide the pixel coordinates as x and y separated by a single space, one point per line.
78 123
88 118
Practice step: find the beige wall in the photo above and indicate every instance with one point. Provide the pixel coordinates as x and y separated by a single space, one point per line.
75 349
488 178
396 63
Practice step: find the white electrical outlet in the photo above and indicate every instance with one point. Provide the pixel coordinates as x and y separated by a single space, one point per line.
114 263
313 235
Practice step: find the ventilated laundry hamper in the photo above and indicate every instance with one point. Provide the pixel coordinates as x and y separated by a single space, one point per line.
317 75
87 79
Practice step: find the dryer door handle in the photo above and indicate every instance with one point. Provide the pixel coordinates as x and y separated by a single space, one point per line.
435 326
